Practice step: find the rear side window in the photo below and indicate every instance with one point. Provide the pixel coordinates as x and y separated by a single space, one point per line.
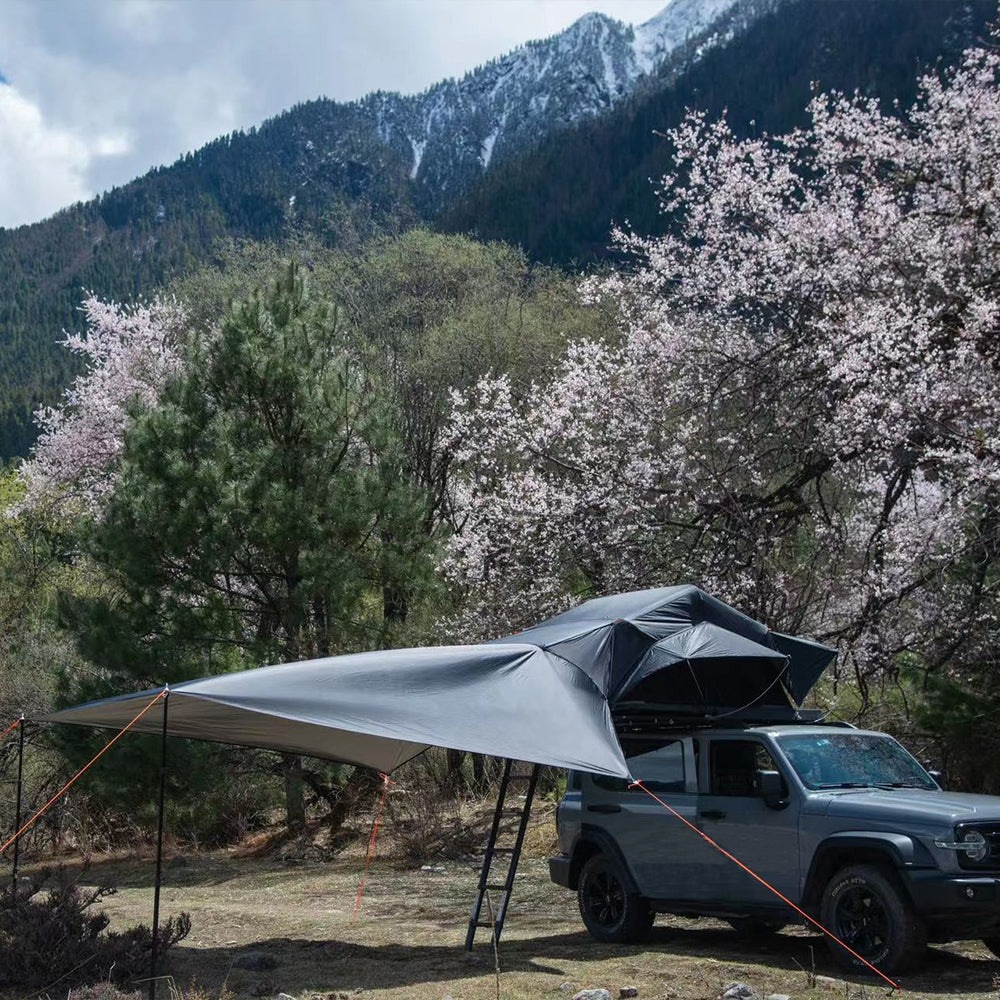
660 770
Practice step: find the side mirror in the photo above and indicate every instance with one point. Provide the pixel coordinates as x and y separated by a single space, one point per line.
938 776
772 788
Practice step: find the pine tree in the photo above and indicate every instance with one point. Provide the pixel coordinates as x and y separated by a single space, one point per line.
256 512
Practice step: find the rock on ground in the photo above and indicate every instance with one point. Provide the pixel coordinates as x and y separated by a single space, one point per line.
593 995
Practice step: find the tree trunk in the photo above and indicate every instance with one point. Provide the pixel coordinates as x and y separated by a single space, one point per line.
479 773
359 793
395 604
456 772
295 799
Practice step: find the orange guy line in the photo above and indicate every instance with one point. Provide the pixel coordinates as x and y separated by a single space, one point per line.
767 885
386 782
72 781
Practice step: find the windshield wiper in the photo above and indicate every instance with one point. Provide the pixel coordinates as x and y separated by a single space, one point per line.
871 784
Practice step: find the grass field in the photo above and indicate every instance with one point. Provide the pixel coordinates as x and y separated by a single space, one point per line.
295 918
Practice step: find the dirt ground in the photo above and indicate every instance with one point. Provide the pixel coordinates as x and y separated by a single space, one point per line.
294 919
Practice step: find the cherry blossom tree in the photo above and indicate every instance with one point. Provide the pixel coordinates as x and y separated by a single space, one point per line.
129 353
803 411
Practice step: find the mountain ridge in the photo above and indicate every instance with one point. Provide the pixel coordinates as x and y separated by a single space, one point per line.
499 107
342 171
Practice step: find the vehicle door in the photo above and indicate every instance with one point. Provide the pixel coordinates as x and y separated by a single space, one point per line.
732 811
661 854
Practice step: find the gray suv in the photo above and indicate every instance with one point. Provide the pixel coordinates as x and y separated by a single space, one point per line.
843 822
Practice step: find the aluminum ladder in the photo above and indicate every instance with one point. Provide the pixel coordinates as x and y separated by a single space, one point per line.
504 885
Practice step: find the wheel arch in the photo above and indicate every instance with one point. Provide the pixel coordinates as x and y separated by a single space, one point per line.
894 850
593 840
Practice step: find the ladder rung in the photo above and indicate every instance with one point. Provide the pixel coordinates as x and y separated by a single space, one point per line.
496 885
485 923
503 850
520 777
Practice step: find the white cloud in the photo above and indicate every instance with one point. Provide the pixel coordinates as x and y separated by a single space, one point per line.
43 167
104 91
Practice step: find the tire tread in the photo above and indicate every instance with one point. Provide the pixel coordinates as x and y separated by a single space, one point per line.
911 936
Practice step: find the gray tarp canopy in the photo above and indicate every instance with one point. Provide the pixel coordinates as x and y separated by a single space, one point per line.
544 695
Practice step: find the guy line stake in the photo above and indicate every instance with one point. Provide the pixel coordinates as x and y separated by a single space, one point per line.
704 836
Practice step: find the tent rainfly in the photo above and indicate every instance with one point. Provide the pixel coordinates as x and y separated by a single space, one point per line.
544 695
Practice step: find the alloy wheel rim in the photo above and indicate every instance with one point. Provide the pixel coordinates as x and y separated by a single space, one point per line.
605 898
862 921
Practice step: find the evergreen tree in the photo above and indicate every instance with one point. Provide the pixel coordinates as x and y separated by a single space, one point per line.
258 511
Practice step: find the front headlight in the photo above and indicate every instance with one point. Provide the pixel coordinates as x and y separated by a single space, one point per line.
974 845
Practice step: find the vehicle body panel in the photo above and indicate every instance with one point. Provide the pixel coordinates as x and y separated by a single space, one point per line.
793 845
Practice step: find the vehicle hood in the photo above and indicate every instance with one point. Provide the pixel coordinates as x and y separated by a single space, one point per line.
915 804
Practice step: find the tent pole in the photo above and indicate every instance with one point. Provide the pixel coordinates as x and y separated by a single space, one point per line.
159 851
20 790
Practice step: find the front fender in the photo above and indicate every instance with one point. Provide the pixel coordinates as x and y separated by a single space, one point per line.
903 850
861 847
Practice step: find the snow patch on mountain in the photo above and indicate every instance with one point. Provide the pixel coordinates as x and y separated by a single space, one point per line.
447 136
680 22
418 155
488 144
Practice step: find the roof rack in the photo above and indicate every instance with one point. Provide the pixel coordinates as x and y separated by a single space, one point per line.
643 719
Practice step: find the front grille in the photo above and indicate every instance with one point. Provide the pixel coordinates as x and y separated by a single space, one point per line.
991 831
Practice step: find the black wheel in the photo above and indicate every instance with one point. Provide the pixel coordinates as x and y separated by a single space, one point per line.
756 927
993 944
612 913
868 910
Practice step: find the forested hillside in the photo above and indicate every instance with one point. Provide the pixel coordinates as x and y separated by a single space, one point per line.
560 201
344 171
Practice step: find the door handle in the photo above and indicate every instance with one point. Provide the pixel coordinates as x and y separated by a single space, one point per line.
712 814
604 808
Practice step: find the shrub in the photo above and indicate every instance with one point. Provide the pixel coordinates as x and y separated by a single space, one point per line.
50 933
102 991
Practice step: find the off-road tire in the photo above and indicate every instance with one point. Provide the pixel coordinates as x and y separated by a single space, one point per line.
756 927
892 938
610 912
993 943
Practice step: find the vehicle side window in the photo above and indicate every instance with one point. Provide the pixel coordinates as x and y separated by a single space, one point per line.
660 770
735 764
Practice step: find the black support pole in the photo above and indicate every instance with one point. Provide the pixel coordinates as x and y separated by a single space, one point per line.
159 852
20 789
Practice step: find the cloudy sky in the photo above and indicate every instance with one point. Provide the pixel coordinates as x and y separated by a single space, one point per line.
95 92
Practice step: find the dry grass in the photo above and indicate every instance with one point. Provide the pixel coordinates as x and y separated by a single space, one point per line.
408 940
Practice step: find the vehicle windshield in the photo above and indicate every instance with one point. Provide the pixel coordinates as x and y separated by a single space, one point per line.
852 760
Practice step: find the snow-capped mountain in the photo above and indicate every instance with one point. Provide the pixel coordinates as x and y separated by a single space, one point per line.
487 153
455 130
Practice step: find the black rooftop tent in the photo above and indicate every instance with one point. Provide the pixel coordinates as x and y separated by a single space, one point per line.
544 695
